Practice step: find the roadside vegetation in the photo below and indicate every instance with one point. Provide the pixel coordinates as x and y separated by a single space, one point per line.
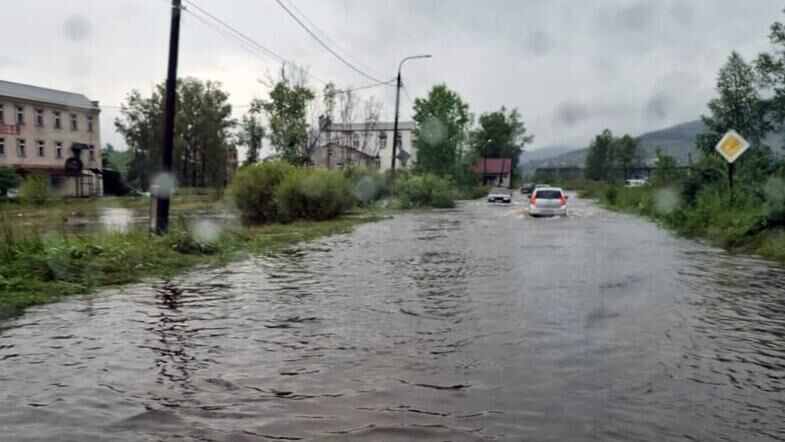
697 201
279 201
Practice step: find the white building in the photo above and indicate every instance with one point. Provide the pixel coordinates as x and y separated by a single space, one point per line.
366 144
54 133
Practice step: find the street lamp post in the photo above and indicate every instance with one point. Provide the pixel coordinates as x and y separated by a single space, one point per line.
395 124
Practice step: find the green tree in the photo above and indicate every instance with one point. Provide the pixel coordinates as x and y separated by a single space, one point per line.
441 123
250 136
600 157
771 70
140 123
202 125
738 106
500 134
666 169
625 152
8 180
286 110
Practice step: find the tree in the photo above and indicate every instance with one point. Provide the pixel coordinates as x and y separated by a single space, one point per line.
600 156
739 106
141 123
626 153
665 169
500 134
286 111
202 125
250 136
441 123
771 70
8 180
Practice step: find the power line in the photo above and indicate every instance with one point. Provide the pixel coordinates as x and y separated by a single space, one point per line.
323 44
331 41
248 40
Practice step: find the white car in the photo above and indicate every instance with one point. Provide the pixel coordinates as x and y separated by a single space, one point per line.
548 201
499 195
635 182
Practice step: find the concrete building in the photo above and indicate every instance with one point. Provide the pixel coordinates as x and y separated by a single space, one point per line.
54 133
366 144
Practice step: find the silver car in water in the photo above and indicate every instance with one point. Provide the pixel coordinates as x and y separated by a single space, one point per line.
548 201
499 195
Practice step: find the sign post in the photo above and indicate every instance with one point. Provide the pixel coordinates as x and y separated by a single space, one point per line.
731 146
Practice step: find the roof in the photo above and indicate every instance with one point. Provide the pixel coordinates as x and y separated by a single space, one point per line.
380 125
493 166
44 95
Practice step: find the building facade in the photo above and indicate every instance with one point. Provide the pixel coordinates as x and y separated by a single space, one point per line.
366 144
494 171
54 133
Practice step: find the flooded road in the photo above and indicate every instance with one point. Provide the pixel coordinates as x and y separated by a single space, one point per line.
470 324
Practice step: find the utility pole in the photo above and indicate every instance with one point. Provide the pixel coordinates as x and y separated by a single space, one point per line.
395 123
163 193
395 131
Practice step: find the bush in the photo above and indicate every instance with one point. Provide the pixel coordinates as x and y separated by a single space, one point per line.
8 180
426 190
253 188
34 189
315 194
368 185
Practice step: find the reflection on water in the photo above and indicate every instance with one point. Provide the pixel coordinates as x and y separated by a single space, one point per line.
115 219
472 324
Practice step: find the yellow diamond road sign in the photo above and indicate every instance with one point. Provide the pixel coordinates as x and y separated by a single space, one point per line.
731 146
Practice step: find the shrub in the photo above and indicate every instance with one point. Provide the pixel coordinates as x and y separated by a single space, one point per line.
368 185
253 188
34 189
315 194
8 180
426 190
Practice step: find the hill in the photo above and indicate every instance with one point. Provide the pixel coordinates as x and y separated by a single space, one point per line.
678 141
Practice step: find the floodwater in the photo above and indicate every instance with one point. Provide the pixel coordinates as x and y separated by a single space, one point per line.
469 324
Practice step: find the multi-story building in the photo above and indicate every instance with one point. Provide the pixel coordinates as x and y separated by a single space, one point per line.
366 144
54 133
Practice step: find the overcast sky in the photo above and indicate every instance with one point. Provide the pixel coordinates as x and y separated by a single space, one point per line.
572 68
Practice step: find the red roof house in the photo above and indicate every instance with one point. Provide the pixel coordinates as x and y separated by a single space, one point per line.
494 171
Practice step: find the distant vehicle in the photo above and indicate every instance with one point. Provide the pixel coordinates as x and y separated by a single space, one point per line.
499 194
635 182
548 201
527 188
12 194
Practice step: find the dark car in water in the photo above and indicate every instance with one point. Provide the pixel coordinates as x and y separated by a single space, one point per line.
527 188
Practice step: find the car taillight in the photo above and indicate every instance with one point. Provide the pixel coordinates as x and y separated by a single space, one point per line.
533 199
563 200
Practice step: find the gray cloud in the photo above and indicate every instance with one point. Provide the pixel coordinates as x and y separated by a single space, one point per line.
658 106
76 27
539 43
571 113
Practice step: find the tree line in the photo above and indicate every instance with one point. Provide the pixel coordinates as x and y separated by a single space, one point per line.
292 117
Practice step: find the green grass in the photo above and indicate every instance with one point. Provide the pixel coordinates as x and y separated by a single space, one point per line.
38 269
739 223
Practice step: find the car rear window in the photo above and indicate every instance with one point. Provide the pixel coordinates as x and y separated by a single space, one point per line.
549 194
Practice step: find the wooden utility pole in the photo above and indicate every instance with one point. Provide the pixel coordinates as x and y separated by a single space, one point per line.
162 193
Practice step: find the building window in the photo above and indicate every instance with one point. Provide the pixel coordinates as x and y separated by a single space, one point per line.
74 122
89 123
39 117
91 152
20 148
2 147
40 148
20 115
355 140
58 123
2 113
382 140
59 150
